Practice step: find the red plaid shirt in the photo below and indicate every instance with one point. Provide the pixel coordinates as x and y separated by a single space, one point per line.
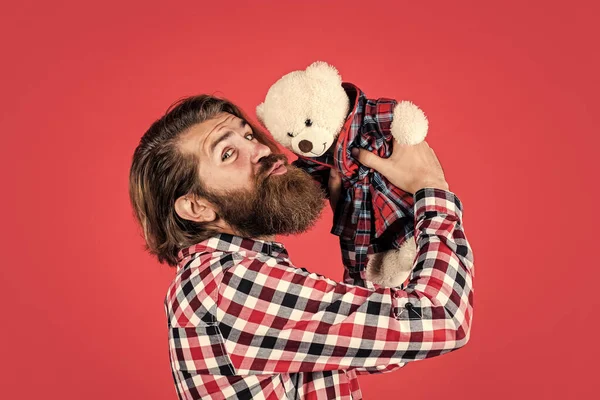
373 215
245 323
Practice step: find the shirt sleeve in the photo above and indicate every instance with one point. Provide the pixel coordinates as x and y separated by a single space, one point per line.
276 318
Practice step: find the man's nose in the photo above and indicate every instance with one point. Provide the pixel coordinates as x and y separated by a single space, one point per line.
259 151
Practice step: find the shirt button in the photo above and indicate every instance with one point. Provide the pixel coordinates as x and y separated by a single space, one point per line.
408 306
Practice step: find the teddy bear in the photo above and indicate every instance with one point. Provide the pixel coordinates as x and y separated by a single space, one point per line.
320 118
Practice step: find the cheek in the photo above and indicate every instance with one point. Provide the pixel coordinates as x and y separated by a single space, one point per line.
211 179
239 176
235 176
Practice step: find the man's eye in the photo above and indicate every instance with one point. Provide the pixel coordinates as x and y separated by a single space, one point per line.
251 136
226 155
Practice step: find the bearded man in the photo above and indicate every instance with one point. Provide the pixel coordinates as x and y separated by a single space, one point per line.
210 191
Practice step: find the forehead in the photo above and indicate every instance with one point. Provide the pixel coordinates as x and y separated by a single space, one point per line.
194 140
204 129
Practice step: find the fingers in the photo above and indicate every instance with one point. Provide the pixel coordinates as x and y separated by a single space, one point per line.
369 159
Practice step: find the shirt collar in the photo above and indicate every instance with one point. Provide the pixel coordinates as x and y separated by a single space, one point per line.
226 242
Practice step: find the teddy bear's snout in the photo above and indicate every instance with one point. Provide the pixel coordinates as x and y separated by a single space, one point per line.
305 146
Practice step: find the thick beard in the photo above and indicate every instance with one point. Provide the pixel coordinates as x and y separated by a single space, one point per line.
279 204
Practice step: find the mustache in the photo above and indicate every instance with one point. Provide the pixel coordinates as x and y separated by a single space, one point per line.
266 163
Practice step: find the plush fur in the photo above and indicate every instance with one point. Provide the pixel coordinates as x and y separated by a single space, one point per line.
305 112
314 94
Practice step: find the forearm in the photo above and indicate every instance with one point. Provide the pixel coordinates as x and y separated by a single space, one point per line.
440 287
437 282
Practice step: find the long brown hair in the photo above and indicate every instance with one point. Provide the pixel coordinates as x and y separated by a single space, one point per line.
160 173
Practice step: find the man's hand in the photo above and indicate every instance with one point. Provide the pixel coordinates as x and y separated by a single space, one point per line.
335 188
409 168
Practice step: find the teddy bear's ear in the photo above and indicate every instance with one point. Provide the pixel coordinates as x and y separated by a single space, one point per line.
322 70
260 113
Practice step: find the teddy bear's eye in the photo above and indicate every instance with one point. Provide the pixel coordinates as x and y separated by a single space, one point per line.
308 122
290 134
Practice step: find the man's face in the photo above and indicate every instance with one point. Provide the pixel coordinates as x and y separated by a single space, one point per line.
255 191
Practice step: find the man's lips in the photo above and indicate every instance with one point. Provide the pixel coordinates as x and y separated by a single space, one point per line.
275 167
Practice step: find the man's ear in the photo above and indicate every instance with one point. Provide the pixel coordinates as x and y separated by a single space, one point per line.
194 208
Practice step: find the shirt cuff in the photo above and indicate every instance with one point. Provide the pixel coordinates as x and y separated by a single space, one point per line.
436 200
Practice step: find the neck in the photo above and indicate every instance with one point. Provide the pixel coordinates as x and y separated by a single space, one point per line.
270 238
226 228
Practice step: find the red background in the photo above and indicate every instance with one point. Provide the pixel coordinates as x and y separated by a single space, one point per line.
510 89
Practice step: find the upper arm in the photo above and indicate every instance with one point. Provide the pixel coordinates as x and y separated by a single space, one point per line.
283 319
277 319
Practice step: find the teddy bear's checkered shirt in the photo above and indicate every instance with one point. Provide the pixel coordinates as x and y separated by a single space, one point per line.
373 215
245 323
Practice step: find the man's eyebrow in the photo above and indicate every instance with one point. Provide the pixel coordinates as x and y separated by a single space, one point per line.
219 140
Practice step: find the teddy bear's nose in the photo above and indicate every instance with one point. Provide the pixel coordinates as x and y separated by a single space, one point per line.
305 146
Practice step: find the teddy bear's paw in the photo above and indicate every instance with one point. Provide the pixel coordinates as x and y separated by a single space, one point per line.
409 125
391 268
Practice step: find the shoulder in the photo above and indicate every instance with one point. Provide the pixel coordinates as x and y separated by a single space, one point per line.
192 295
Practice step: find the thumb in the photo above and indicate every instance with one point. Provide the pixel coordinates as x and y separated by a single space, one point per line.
369 159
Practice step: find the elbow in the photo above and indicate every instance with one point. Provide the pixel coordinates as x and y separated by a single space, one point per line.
463 333
462 337
462 330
